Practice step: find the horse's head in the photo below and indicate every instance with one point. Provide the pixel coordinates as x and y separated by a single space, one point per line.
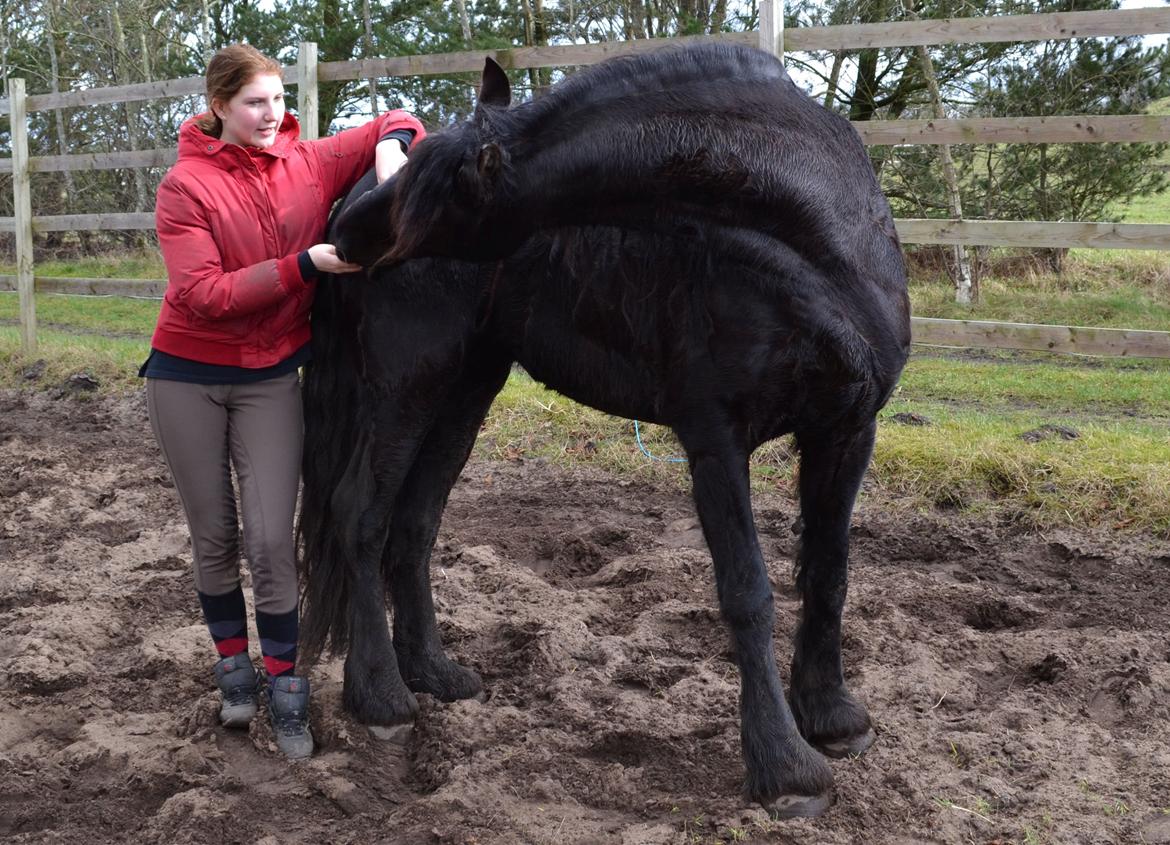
361 230
448 198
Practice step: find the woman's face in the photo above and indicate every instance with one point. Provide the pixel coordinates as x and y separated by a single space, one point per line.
252 117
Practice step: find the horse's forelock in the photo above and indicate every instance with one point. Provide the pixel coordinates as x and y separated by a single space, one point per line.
429 186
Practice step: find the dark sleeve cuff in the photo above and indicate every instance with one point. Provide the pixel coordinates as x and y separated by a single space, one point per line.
306 266
402 136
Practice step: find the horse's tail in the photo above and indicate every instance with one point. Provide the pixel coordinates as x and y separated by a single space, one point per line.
336 472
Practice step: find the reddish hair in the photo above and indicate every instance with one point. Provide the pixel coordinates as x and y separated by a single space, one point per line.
229 70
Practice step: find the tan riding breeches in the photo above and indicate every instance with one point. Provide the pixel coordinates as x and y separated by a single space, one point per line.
204 431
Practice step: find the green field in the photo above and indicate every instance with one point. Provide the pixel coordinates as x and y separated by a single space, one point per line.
1154 208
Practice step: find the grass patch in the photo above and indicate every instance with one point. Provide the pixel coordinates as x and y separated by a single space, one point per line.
147 264
529 420
980 807
1053 383
1116 473
113 361
1151 208
1122 308
1103 288
111 316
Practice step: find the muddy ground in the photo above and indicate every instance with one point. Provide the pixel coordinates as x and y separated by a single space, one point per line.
1020 682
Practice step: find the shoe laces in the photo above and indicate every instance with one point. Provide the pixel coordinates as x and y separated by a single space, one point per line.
288 718
291 721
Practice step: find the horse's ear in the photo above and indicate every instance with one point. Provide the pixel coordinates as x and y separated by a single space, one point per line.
494 89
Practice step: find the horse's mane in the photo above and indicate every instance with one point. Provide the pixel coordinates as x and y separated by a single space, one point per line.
662 73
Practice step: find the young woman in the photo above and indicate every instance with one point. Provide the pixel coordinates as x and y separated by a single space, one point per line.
240 220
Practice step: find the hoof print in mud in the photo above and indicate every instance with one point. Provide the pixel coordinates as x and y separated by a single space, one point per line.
800 806
853 746
396 734
1049 670
998 615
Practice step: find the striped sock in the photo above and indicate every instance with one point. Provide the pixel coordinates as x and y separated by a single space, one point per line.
227 620
278 641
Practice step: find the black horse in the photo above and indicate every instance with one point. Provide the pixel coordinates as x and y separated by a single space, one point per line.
683 238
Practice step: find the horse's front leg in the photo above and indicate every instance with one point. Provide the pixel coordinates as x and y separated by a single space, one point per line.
374 691
831 470
421 659
784 773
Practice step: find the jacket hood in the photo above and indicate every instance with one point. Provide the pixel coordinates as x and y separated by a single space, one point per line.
194 142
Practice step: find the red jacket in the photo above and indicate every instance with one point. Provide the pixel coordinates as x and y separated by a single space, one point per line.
231 222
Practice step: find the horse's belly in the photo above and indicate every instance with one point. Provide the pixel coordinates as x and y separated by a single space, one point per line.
598 377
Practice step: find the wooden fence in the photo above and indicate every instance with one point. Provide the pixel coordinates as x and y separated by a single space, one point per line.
772 37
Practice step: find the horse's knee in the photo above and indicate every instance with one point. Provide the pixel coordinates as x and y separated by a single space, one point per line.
748 611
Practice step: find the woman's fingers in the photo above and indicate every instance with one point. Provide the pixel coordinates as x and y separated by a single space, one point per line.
325 259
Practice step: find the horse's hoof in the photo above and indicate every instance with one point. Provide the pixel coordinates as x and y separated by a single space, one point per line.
439 676
800 806
853 746
384 704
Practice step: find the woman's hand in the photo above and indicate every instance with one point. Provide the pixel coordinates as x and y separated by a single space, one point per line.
324 258
388 157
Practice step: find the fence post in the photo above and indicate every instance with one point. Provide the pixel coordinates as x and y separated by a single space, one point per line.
22 203
772 27
307 89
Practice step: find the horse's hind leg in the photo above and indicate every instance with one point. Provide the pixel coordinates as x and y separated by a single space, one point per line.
831 470
784 773
421 659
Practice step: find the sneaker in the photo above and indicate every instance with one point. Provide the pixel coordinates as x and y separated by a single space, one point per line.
288 708
236 678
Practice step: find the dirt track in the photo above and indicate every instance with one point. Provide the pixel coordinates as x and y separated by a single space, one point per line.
1020 683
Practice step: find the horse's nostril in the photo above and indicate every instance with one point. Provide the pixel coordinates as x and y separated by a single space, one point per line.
341 257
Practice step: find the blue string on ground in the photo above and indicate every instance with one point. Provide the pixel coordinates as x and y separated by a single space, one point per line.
646 452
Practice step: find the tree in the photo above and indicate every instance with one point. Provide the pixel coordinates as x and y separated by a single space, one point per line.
1071 181
65 44
1018 181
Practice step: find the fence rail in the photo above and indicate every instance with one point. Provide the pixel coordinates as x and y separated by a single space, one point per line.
153 288
1055 26
306 74
97 161
1073 129
1077 340
1033 234
1077 129
1005 233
